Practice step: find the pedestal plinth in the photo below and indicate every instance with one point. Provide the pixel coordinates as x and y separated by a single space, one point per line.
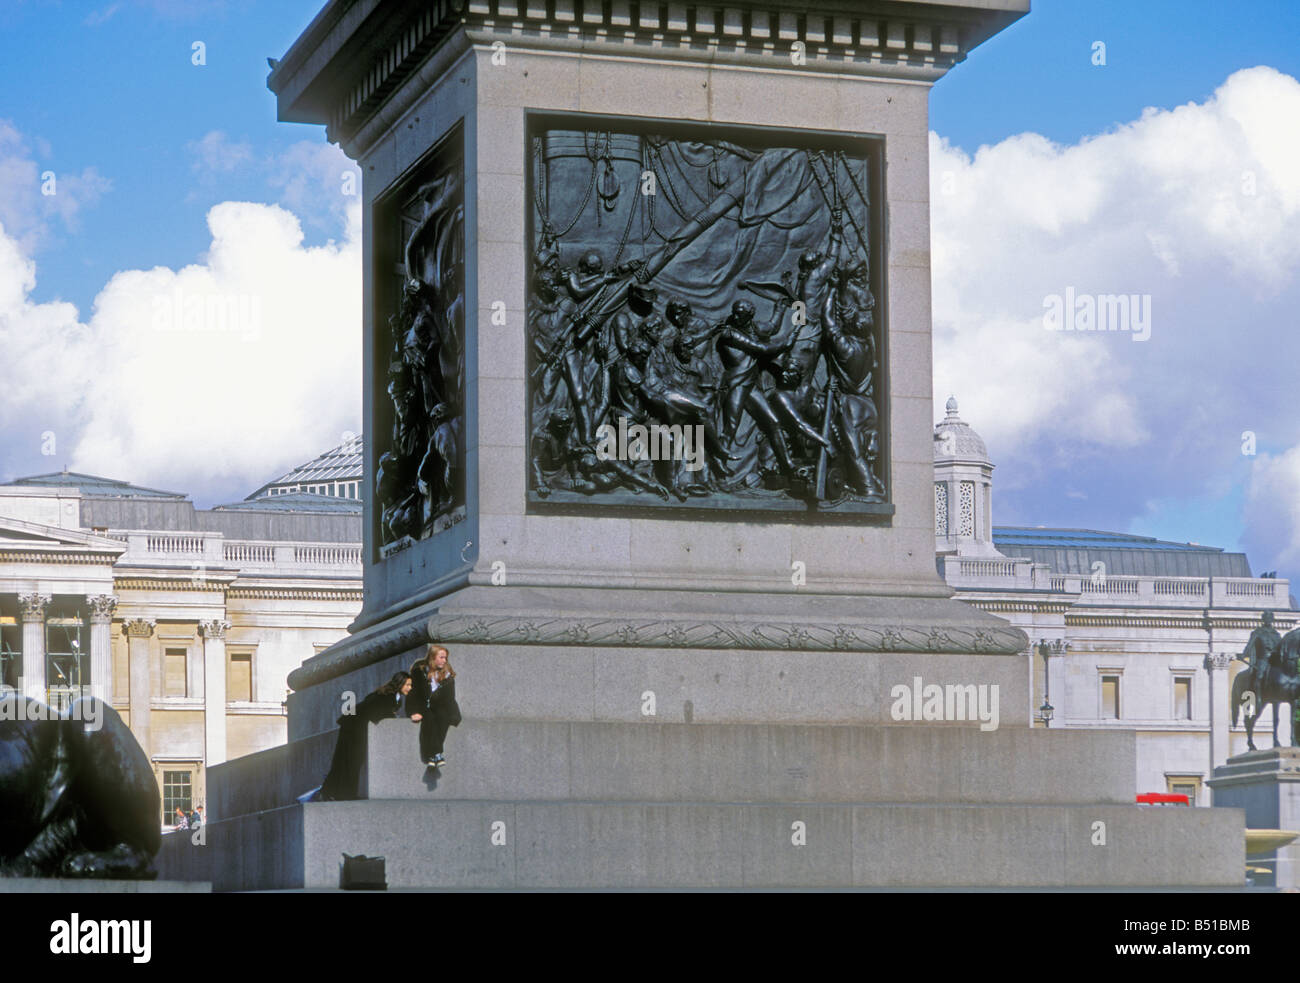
611 215
598 216
1266 784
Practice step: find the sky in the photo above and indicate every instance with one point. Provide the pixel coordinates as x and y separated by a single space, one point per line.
1093 149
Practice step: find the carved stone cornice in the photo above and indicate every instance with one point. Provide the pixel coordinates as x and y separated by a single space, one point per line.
139 627
38 555
102 607
658 633
1221 621
215 629
33 606
1218 660
182 582
357 54
296 594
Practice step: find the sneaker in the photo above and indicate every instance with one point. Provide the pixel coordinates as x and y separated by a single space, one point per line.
439 761
431 762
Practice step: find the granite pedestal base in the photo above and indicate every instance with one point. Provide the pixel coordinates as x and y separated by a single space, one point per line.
610 805
1266 784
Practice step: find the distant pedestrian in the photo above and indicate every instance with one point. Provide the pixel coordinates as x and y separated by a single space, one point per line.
432 703
182 821
196 817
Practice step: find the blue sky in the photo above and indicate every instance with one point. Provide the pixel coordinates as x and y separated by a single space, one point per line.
1038 75
1096 432
110 85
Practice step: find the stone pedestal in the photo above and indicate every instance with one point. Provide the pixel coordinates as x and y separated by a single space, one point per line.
1266 784
740 690
546 601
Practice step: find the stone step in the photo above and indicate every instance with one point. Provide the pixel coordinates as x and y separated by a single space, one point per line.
594 845
510 760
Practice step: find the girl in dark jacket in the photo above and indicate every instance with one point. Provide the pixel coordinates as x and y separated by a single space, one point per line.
345 770
433 703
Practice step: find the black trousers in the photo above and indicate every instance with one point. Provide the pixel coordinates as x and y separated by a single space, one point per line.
433 731
344 778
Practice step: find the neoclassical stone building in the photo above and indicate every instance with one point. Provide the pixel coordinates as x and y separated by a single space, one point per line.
188 620
1125 631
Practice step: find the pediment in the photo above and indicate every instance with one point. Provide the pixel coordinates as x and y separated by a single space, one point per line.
20 534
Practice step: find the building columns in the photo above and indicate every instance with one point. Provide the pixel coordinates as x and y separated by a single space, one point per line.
1216 668
138 632
33 611
102 607
214 690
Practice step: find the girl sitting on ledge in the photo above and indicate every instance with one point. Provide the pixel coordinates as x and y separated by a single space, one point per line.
345 770
432 703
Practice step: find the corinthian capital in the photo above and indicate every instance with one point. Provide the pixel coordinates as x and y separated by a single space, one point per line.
214 629
139 627
102 607
33 606
1218 660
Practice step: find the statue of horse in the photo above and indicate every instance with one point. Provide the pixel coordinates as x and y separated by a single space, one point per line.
1280 683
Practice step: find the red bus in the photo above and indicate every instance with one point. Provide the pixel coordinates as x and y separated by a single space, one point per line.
1163 799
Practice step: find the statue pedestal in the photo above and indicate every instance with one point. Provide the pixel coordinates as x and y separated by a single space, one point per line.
1266 784
729 607
738 690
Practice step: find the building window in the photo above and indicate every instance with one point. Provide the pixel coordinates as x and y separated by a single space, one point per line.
239 679
174 673
967 518
1110 697
67 661
1188 785
11 652
178 791
1182 697
940 509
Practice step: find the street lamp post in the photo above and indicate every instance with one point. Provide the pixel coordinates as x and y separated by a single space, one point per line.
1048 649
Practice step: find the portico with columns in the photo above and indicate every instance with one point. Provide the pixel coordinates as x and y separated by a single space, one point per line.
56 596
189 634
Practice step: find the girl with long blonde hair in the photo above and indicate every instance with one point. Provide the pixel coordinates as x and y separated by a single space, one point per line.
433 702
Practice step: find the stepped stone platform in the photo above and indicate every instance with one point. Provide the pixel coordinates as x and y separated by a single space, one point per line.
63 885
542 804
1266 785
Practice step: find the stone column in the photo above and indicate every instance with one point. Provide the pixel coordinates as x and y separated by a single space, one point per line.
102 607
214 690
1216 668
33 611
138 632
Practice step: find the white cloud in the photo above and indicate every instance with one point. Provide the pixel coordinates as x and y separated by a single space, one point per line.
1197 207
97 17
317 181
313 179
1273 509
30 203
217 154
204 376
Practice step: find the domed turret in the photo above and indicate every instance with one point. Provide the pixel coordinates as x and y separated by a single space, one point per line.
963 488
955 439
